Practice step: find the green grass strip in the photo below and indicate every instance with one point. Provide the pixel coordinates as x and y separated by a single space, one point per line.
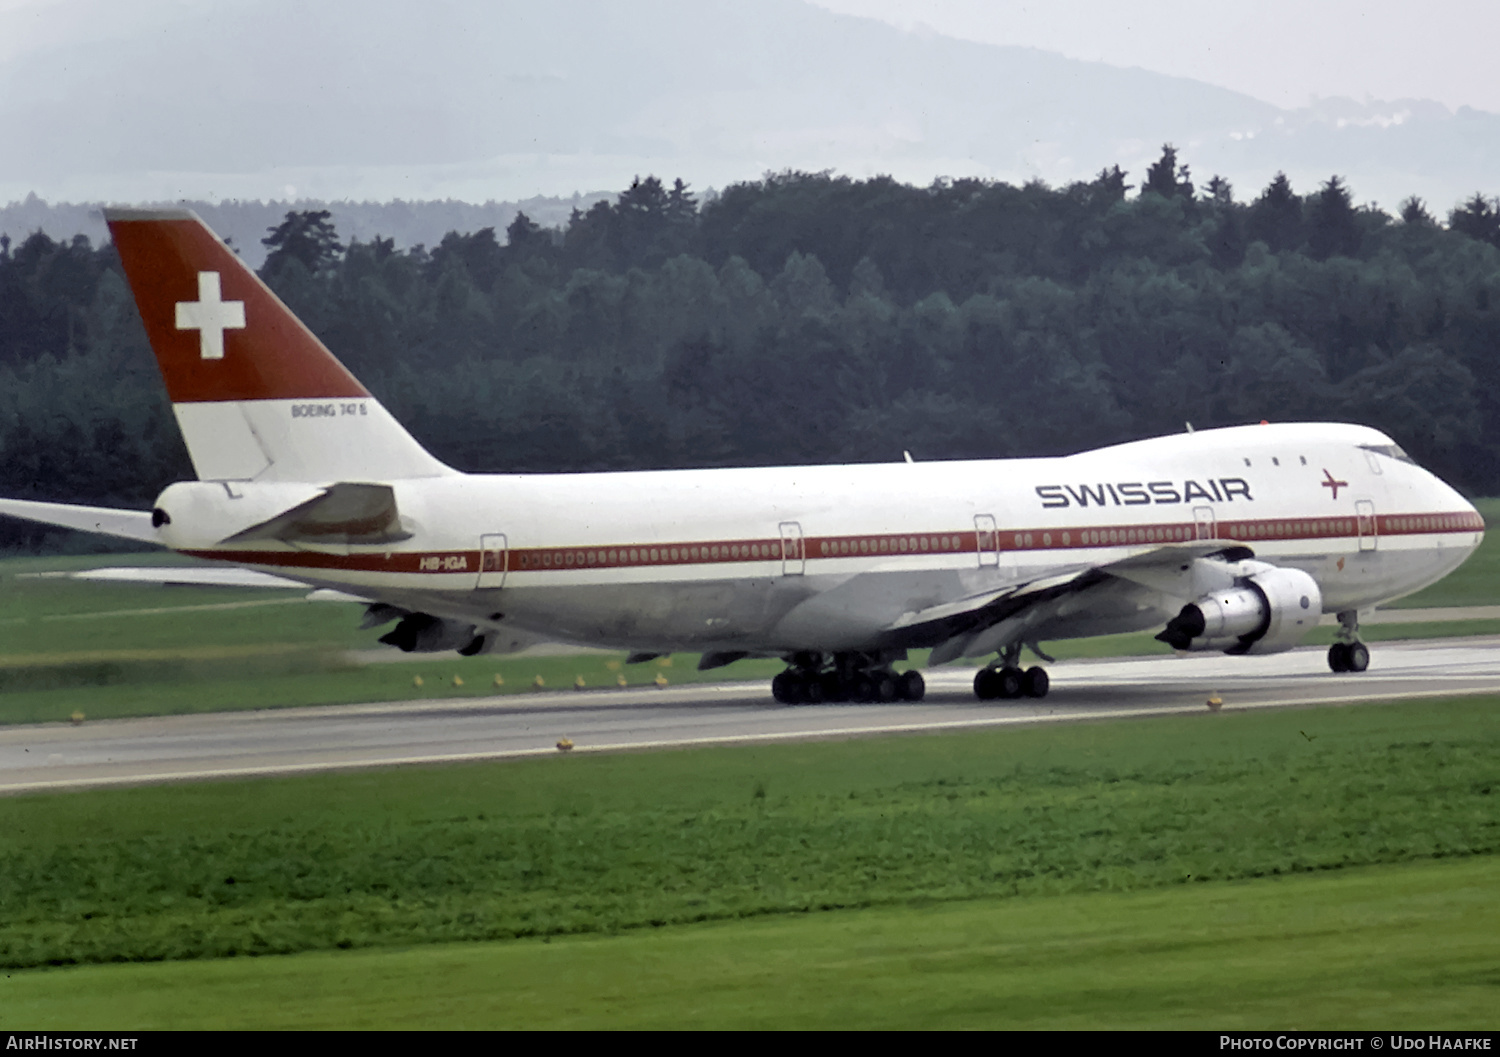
1411 946
569 845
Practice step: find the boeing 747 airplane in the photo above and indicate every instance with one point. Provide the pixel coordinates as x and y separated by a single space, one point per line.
1236 540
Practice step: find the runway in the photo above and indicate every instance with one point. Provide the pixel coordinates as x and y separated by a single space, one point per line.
302 740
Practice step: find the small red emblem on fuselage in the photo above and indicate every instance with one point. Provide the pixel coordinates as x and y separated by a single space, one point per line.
1335 485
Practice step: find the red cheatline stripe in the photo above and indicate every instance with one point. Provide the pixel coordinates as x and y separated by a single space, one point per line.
719 552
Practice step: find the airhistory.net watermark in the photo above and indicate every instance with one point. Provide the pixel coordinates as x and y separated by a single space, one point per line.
69 1042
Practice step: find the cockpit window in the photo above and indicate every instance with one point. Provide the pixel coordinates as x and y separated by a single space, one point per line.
1392 451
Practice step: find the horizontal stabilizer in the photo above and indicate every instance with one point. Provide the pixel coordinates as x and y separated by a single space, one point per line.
127 524
345 513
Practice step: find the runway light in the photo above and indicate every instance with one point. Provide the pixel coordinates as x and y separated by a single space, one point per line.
578 683
77 718
620 679
458 680
1215 702
416 680
661 680
539 682
499 679
564 744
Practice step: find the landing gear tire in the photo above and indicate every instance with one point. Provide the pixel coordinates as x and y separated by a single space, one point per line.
862 678
793 687
1002 683
1035 682
1348 657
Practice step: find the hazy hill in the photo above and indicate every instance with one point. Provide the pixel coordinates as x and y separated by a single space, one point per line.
244 224
504 100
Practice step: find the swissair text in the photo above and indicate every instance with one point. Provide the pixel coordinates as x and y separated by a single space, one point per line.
1138 493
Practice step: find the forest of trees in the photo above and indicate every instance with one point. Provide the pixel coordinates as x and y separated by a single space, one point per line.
810 317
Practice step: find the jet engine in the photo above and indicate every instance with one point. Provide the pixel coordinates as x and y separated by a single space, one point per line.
1268 611
424 633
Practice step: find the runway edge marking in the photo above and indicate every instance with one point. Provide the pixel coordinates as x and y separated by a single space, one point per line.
729 739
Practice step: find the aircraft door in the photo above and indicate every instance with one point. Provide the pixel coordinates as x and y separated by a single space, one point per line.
987 540
492 555
1364 514
793 554
1204 524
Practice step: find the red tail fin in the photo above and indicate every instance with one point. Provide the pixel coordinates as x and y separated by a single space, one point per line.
218 332
256 394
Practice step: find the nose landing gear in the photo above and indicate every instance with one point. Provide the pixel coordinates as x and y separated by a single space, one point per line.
1348 654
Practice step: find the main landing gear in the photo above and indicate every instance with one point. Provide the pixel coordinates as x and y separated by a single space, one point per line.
862 677
1008 682
1348 654
1004 678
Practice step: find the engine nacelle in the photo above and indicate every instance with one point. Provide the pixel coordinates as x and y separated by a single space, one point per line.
424 633
1266 612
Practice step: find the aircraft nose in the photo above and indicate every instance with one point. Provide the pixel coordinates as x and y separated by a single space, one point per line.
1475 517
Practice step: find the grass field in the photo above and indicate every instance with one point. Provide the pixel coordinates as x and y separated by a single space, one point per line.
1412 946
602 843
1331 867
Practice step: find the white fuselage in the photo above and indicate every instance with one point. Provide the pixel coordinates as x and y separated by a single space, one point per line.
830 557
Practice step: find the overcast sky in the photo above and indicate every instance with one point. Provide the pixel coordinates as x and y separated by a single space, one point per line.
98 107
1280 51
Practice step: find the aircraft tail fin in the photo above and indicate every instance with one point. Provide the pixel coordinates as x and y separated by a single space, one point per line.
256 394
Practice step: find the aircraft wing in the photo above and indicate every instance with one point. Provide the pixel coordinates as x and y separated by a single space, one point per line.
191 575
983 623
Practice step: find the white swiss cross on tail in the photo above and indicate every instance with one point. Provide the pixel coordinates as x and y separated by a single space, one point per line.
210 316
